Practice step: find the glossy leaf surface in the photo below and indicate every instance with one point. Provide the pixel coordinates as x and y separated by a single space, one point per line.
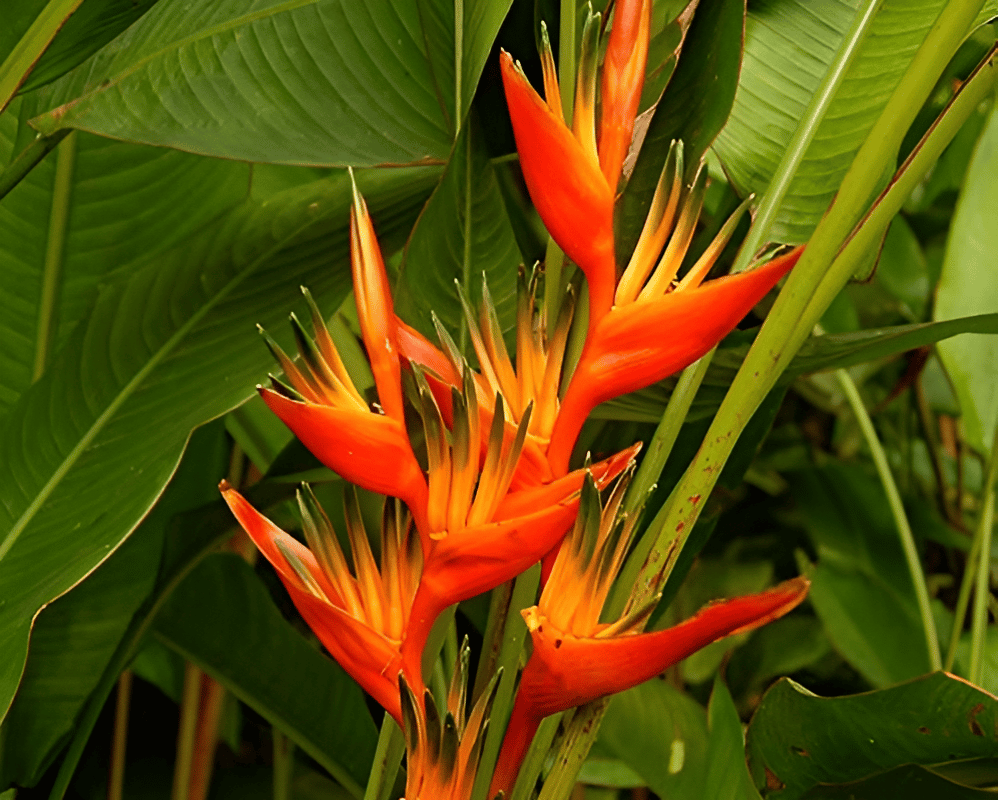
165 345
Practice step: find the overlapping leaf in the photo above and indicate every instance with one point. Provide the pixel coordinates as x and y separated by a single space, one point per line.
75 637
968 284
125 205
287 81
797 740
788 47
88 448
222 619
462 235
860 588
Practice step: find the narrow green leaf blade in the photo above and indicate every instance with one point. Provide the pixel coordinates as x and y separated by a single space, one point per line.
463 233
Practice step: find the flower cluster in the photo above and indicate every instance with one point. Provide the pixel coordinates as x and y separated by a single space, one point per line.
482 488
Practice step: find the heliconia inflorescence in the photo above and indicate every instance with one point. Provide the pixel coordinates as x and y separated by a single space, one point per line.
478 460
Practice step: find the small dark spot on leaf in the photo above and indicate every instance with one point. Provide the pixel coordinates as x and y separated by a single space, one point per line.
923 729
772 782
557 643
975 726
800 751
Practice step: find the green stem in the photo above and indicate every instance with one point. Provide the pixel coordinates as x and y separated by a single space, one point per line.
119 740
817 278
962 601
803 135
28 159
19 63
387 758
48 313
189 704
284 765
463 333
458 65
982 591
900 517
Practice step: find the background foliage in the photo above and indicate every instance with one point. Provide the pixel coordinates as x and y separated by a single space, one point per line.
191 176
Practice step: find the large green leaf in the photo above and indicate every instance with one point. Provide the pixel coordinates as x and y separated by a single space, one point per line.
788 47
123 205
222 619
75 638
88 448
727 773
288 81
797 740
969 283
661 734
462 235
910 782
860 588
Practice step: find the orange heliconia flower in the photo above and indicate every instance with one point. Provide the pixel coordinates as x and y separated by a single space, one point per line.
443 750
478 533
638 344
577 659
361 620
323 407
529 387
647 325
571 177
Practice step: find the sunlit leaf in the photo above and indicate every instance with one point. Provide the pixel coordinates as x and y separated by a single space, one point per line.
968 285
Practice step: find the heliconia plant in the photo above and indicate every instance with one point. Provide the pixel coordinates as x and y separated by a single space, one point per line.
567 413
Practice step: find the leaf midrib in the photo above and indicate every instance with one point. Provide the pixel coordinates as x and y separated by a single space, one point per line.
130 388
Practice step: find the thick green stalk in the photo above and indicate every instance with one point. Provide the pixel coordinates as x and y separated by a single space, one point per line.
820 101
982 589
911 556
28 159
29 49
533 763
962 602
119 739
579 738
284 765
189 705
55 246
812 284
